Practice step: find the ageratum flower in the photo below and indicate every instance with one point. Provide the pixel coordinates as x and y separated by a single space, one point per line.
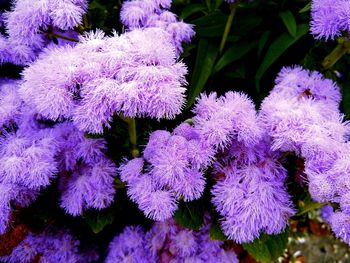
26 22
129 74
52 245
171 168
329 18
251 197
86 174
301 114
168 242
143 13
223 119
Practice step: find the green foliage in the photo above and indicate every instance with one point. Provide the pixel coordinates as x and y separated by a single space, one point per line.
277 48
216 232
289 21
98 221
268 248
206 56
190 214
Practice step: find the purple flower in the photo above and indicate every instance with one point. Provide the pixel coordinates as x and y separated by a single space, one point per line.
220 120
10 103
27 22
129 74
129 246
339 223
172 167
158 205
49 246
252 197
142 14
86 173
329 18
170 242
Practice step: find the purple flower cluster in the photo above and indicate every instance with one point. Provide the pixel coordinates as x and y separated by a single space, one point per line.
171 168
10 103
329 18
50 246
32 154
27 21
145 13
168 242
86 174
131 74
249 193
251 197
301 114
220 120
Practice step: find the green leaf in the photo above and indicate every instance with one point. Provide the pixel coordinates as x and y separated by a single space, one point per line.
190 214
243 25
234 53
239 72
289 21
216 232
268 248
308 207
206 56
100 220
277 48
191 9
306 8
212 25
262 41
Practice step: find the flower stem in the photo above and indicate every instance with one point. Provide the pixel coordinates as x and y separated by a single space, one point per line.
341 49
233 8
132 135
51 34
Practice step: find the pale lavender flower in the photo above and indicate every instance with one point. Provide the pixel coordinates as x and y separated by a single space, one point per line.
27 22
86 172
301 115
329 18
222 119
171 168
130 246
129 74
28 159
143 13
10 103
158 205
340 224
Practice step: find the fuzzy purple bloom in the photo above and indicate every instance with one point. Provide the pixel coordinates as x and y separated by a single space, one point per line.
222 119
49 246
171 168
142 14
340 224
86 173
329 18
168 242
27 22
129 74
252 197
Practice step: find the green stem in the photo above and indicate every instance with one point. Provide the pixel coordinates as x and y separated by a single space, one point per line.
341 49
233 8
132 135
51 34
